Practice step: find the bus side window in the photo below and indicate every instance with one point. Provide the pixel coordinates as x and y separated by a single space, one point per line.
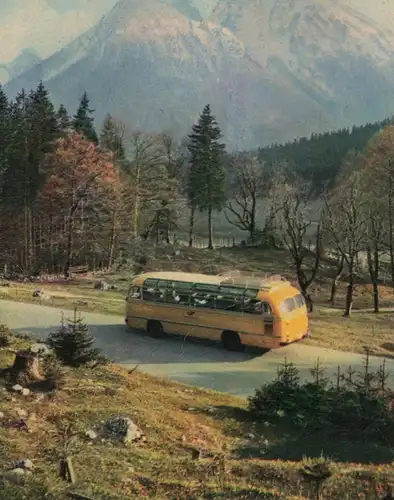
178 293
148 290
256 306
230 299
204 296
135 292
161 291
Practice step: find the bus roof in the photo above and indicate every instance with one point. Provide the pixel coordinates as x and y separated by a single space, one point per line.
237 278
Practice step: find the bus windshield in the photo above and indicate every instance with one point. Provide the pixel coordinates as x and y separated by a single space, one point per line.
292 303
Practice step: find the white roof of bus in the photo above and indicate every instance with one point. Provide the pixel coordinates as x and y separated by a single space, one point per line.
252 282
178 276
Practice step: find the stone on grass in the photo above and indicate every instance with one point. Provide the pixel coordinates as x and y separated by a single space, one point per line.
124 428
25 392
91 434
21 413
41 348
25 464
17 388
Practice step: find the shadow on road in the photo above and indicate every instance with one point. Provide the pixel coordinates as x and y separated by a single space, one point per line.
134 347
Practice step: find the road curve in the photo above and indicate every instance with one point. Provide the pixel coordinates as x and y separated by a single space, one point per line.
189 361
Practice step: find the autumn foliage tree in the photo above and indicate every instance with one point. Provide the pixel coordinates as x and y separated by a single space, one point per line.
80 181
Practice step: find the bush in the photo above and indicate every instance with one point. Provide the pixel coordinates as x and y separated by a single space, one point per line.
55 376
357 406
5 336
73 343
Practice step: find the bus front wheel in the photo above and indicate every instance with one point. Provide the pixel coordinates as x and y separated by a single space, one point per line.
154 328
231 341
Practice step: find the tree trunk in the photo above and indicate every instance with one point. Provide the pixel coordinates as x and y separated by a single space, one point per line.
69 246
349 292
113 240
375 284
25 370
335 281
191 225
252 227
136 208
391 235
67 470
210 239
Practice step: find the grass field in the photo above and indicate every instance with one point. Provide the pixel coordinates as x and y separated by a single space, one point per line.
328 327
198 445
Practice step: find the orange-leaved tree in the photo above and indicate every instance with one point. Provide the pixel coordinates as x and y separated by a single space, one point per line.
81 183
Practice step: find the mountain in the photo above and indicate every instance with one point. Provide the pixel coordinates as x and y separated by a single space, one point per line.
26 59
271 70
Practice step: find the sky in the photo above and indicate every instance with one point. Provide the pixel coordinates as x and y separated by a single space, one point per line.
48 25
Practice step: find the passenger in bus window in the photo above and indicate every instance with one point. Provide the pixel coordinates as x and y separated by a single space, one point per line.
198 301
258 307
175 296
136 293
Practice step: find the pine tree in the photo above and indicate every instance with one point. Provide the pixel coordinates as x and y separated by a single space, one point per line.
73 343
111 139
207 178
63 120
83 121
5 133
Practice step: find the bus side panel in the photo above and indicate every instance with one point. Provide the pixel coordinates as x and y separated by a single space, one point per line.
171 317
250 327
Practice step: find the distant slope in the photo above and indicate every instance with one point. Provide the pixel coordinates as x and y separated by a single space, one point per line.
318 158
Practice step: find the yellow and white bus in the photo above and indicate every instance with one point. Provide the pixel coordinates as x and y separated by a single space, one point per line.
236 308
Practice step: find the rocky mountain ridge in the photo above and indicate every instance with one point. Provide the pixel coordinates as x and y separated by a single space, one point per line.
271 70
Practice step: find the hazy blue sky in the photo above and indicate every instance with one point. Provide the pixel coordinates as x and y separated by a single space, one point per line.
47 25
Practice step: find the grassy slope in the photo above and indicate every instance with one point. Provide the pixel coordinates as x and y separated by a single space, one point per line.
328 327
236 461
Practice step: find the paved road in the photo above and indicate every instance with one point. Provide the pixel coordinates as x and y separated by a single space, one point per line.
190 362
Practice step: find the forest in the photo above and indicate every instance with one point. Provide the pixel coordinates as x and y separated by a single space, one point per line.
74 196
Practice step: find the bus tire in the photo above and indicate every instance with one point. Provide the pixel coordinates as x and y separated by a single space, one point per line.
231 341
154 328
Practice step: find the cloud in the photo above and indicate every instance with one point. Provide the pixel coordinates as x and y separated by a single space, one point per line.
34 23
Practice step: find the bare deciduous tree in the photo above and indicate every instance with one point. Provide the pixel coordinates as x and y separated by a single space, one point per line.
296 223
346 223
241 211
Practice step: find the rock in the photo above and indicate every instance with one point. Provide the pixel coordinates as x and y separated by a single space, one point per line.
25 392
42 349
21 413
17 388
91 434
124 428
1 415
25 464
17 471
102 285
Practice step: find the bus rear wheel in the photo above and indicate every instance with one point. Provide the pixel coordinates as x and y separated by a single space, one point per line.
231 341
154 328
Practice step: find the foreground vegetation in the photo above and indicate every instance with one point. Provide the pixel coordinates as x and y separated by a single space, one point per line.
192 443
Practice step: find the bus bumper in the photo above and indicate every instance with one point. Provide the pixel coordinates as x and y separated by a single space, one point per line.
305 336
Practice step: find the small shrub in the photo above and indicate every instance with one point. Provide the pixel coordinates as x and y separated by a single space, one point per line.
55 375
73 343
5 336
358 406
